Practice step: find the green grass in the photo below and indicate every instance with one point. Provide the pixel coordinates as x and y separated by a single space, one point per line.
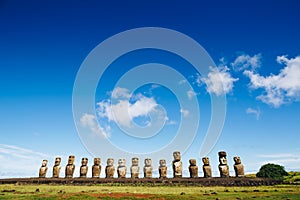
147 192
293 177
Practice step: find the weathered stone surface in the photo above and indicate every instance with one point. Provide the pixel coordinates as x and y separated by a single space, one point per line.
96 168
206 167
135 169
56 168
83 168
70 168
223 166
238 167
43 169
162 168
193 168
110 169
177 165
122 168
148 168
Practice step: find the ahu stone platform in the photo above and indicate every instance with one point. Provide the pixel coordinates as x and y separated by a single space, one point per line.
216 181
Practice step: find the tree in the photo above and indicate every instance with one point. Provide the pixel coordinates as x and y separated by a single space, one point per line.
272 171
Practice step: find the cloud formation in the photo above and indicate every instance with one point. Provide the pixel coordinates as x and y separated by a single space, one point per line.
246 61
256 112
89 121
122 111
191 94
286 159
281 88
219 81
20 162
184 112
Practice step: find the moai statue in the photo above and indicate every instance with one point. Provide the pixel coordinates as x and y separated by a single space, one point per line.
56 167
70 168
135 169
110 169
83 168
148 168
96 169
223 166
122 168
43 169
177 165
162 169
206 167
238 167
193 168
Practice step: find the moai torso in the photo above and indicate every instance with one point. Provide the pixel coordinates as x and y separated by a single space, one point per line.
135 169
238 167
83 168
148 168
122 168
70 168
223 166
43 169
177 165
110 169
206 167
162 169
193 168
96 169
56 167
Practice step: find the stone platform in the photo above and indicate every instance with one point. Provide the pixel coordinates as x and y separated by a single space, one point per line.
232 181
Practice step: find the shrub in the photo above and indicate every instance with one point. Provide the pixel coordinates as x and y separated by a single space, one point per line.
272 171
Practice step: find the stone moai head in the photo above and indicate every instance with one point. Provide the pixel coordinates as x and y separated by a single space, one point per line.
84 161
162 163
237 160
205 160
135 161
110 162
193 162
44 163
97 161
71 160
222 158
121 162
148 162
177 156
57 161
43 169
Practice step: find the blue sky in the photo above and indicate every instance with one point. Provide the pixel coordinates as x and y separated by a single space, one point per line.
254 45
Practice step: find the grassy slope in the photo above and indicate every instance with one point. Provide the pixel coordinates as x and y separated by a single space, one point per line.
293 177
146 192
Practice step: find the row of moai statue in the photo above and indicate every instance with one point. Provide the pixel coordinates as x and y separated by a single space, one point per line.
134 169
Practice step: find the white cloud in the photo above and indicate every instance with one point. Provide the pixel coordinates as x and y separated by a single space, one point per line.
219 81
245 61
171 122
278 155
191 94
279 89
288 160
256 112
123 111
20 162
184 112
182 82
89 121
120 93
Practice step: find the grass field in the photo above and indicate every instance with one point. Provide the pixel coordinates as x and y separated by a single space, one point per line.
147 192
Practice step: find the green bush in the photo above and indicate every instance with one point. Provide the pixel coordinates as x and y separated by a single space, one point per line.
272 171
